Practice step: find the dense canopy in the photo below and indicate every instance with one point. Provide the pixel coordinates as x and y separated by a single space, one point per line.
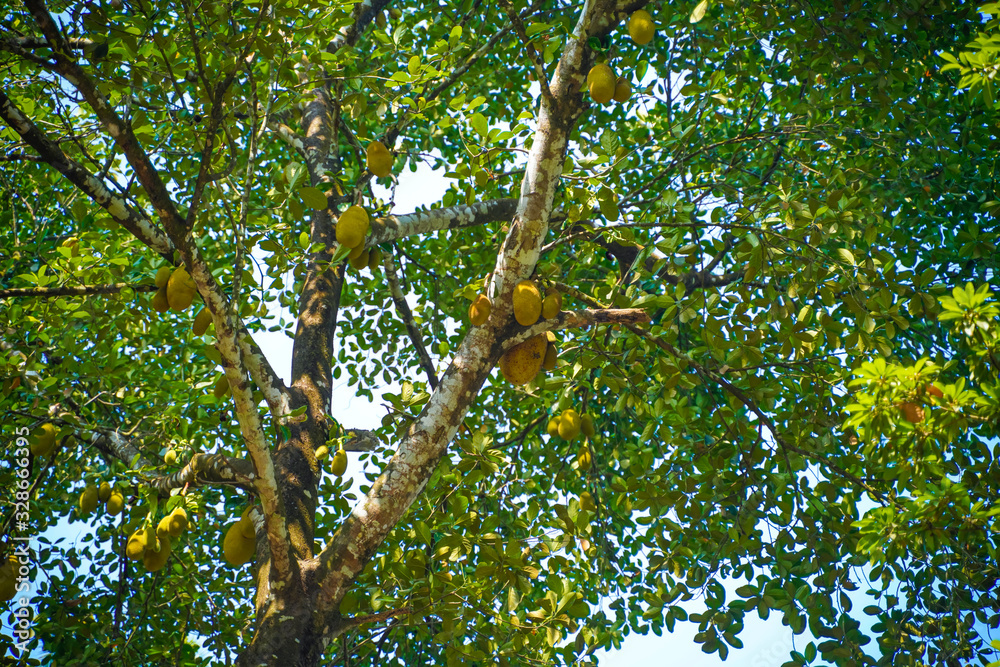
729 267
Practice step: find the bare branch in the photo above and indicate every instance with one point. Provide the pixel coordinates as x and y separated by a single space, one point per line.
405 314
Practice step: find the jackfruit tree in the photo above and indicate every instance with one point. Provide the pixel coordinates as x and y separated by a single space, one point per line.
752 373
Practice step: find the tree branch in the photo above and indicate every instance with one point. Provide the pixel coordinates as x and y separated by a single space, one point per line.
393 228
132 220
79 290
207 469
405 314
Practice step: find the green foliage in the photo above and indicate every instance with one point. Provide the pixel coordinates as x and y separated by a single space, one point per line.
791 194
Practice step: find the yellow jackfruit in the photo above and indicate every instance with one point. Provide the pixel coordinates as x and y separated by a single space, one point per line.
587 426
221 387
569 425
551 305
88 500
154 560
641 27
520 364
247 528
374 260
352 226
136 544
361 262
162 276
601 82
339 464
115 504
553 426
43 440
527 303
584 459
181 289
479 311
379 159
202 322
178 522
160 303
163 527
104 492
238 549
321 452
623 90
170 457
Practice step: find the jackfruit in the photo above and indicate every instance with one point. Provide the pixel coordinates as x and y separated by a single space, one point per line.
163 527
352 226
202 322
339 464
641 27
178 522
601 82
136 544
379 159
43 440
587 426
551 305
238 549
115 504
170 457
361 262
321 452
247 529
162 276
479 310
374 260
181 289
551 354
587 502
520 364
160 303
154 560
569 425
623 90
88 500
104 492
584 459
553 426
527 303
221 387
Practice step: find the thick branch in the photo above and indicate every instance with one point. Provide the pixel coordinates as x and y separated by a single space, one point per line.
207 469
393 228
78 290
411 467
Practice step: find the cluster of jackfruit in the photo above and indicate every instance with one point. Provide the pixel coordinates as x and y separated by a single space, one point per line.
338 466
569 425
602 83
175 290
153 546
520 364
112 498
240 542
352 228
